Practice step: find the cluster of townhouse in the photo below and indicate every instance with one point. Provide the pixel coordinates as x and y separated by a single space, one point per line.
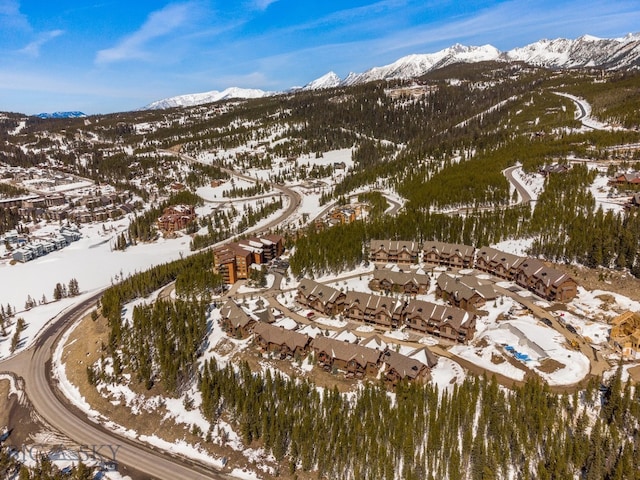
530 273
79 208
341 216
357 360
176 217
451 323
234 260
466 292
31 250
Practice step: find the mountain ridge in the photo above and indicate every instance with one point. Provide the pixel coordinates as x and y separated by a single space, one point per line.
73 114
583 52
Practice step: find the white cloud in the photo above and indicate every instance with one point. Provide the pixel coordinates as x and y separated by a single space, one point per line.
158 24
33 48
262 4
10 16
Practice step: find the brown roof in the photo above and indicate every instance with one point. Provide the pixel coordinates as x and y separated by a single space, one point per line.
454 316
534 268
311 288
400 278
394 246
235 314
405 366
345 351
425 353
280 336
370 302
465 287
274 238
497 257
449 249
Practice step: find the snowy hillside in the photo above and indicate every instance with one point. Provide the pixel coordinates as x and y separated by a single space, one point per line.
192 99
416 65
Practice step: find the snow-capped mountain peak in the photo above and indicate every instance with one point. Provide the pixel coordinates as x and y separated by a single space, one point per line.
329 80
418 64
584 51
192 99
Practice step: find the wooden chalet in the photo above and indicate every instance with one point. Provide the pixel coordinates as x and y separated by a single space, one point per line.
625 334
448 254
357 361
546 282
401 367
498 263
371 309
235 321
319 297
465 292
286 343
554 168
394 251
451 323
409 283
631 178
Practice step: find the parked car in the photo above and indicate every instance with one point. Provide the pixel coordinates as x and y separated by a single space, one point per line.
572 329
547 321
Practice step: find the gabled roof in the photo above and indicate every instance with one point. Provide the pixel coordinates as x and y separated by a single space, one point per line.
400 278
310 288
497 257
449 249
465 287
536 269
237 317
394 246
425 356
346 351
280 336
367 301
375 342
405 366
454 316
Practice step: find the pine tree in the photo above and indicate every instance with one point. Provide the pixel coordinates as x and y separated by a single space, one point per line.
58 292
74 288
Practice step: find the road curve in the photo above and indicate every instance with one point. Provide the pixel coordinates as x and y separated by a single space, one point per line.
522 191
33 366
294 197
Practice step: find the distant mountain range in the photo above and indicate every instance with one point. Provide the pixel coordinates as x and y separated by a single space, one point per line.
585 51
61 115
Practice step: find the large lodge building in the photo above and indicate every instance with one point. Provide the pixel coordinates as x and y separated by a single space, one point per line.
234 260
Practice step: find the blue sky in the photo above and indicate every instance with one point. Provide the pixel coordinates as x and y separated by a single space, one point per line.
102 56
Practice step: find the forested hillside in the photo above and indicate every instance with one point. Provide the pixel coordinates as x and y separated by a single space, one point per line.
441 144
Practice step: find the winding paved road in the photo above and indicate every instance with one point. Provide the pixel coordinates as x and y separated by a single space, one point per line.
33 367
522 191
